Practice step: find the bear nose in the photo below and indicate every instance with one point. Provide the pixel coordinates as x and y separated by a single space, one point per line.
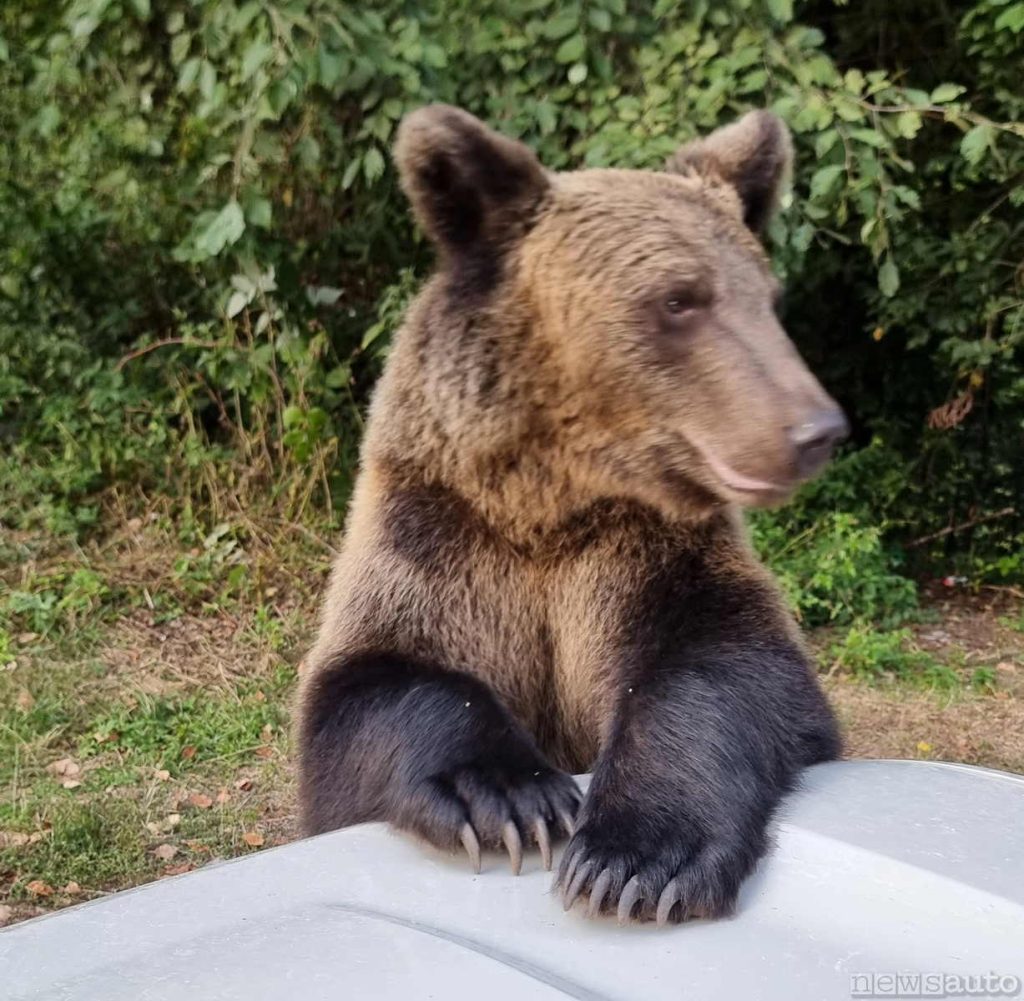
816 438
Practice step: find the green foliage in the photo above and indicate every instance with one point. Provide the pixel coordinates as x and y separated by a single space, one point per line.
91 843
61 597
829 549
875 655
160 729
203 247
834 570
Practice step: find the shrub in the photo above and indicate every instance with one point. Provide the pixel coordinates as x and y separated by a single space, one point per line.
202 242
877 656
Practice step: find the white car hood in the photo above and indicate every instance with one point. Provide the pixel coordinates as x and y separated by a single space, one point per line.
880 868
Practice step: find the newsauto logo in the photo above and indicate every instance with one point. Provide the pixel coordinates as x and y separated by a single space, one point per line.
934 985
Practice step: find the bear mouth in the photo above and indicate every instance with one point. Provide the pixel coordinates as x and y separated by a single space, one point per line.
750 489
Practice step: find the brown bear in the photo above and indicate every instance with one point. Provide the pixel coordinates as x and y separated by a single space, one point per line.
544 570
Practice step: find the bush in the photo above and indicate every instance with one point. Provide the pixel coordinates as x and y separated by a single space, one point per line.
835 570
875 656
203 246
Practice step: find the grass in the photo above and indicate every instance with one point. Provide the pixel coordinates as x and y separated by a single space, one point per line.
145 689
146 682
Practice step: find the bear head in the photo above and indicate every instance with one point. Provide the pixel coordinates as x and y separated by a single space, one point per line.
623 320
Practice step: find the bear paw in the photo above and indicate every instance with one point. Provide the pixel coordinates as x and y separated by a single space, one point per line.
683 878
483 805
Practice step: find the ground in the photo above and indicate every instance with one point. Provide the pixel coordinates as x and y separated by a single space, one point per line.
145 687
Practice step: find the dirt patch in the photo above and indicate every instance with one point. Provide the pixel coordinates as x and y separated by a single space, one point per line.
977 628
895 723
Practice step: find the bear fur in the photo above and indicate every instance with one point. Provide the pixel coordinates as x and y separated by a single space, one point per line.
544 570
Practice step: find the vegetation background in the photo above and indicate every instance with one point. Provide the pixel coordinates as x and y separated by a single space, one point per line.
203 252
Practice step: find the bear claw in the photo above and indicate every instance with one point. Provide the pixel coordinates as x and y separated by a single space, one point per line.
513 845
543 838
472 845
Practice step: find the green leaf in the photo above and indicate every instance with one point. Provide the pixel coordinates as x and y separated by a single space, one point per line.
562 24
781 10
824 180
946 92
322 295
260 212
908 124
237 302
255 56
373 164
207 79
141 8
571 50
577 73
351 170
599 19
189 73
888 278
225 229
339 376
975 143
869 137
180 45
48 120
10 286
1012 18
825 142
435 56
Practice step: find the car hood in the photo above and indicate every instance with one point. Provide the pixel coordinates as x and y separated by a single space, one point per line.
879 869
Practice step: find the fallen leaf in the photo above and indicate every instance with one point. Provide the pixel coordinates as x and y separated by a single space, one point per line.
39 889
177 870
165 852
267 732
923 746
24 701
259 696
223 796
243 784
161 774
264 752
6 913
71 783
172 819
24 638
253 839
108 738
71 889
200 800
197 846
154 828
67 767
188 752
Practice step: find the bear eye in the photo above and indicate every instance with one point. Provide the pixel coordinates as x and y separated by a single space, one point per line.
681 304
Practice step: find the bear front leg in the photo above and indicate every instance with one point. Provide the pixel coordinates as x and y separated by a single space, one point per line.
431 751
699 752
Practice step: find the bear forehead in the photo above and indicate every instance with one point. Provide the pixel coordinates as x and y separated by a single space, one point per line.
672 217
624 192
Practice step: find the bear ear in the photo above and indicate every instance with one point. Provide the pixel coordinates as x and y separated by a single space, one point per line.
753 154
473 191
